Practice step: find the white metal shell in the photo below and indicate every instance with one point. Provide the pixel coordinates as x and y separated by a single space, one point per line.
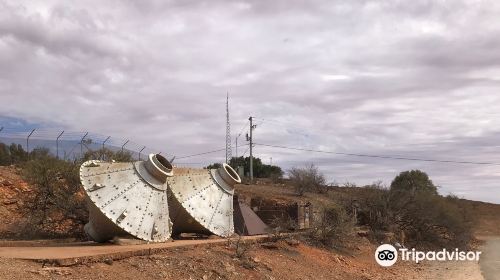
129 197
201 200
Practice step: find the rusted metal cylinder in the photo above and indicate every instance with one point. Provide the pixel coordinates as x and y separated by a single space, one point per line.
128 199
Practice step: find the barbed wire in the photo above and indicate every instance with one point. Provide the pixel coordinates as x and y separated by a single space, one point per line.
66 142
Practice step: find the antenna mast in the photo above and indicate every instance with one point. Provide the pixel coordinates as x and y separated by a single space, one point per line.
228 132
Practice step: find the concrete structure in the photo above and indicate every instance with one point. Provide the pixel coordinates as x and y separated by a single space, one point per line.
246 222
298 215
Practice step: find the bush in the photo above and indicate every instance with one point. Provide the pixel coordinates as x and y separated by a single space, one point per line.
106 154
373 208
412 208
56 199
307 179
434 221
4 155
333 227
12 154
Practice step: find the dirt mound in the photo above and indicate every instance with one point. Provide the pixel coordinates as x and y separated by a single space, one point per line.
14 192
488 215
16 199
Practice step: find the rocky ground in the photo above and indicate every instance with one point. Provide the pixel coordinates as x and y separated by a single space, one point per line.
279 260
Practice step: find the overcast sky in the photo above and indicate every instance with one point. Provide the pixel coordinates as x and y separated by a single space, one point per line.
418 79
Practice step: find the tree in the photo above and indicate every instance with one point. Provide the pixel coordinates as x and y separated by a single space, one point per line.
214 166
260 170
17 153
306 179
412 182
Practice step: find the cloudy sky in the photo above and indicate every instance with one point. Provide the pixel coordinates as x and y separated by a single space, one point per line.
418 79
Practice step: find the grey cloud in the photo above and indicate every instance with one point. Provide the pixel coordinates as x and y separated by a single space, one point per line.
375 77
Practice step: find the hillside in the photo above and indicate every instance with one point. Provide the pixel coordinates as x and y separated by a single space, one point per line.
21 218
487 214
282 259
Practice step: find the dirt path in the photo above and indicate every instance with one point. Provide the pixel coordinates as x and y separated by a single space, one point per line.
456 270
490 258
72 253
488 267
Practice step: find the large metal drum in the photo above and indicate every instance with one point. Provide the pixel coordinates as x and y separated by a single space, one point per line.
128 199
201 200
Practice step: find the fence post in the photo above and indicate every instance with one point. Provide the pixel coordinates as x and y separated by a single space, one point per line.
105 142
124 145
28 143
141 152
81 145
57 144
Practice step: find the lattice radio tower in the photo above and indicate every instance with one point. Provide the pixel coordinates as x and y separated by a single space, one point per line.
228 132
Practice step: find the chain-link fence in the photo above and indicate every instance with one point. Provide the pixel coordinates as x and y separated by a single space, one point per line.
73 145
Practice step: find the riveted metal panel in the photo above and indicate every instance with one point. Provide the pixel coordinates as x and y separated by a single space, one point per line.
134 203
201 195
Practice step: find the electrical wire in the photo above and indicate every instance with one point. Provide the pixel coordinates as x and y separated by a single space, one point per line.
242 128
378 156
204 153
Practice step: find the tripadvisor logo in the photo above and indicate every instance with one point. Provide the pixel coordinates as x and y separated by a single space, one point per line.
386 255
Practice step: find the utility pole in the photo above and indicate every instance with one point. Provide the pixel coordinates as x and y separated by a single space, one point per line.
250 138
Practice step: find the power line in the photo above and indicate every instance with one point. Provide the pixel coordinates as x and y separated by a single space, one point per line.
289 125
242 128
204 153
378 156
238 136
246 151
